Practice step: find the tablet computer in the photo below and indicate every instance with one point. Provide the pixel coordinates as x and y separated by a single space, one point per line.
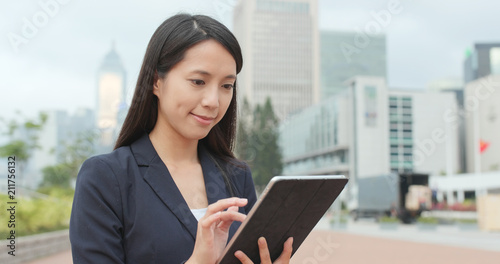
290 206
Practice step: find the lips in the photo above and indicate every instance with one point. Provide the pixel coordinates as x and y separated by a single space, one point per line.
204 120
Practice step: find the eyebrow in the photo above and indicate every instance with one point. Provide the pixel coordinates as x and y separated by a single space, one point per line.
202 72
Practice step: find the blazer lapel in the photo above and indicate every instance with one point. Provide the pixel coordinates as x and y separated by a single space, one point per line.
161 182
159 179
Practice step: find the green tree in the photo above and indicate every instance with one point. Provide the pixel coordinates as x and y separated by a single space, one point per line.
265 135
257 142
57 175
243 147
80 149
71 158
23 138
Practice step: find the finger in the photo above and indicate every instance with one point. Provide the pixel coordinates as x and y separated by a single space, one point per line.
242 257
233 208
225 204
287 251
228 217
264 251
232 216
208 220
224 217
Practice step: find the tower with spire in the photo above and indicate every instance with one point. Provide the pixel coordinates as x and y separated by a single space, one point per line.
110 98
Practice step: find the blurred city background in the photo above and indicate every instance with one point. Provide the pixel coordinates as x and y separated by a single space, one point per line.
400 96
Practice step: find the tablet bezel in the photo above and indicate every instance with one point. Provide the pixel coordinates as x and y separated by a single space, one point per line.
341 179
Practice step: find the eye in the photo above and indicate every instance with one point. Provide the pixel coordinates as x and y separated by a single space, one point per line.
228 86
198 82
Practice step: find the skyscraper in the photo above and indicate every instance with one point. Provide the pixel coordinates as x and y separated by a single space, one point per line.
484 60
110 96
279 39
341 60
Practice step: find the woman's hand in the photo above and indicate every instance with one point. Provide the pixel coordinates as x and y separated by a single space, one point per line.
213 230
265 258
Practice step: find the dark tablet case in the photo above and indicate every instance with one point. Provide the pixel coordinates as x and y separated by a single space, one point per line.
288 208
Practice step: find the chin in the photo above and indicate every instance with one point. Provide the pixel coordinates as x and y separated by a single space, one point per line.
198 136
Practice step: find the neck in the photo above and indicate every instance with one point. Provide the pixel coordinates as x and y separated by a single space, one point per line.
172 149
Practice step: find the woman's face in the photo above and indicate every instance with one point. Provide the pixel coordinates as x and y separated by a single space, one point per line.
195 94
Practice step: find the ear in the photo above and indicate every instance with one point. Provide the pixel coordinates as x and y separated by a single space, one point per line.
157 84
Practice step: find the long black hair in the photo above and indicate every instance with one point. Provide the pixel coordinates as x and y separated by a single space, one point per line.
165 49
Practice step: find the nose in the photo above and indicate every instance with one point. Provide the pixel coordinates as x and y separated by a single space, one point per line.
211 97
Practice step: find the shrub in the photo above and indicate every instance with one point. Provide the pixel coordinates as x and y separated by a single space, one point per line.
466 221
388 219
427 220
38 215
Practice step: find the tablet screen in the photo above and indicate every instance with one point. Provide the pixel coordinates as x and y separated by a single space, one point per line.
290 206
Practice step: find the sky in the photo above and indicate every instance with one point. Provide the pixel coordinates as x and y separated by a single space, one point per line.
54 66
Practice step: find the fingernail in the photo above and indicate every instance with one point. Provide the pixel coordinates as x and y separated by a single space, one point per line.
244 199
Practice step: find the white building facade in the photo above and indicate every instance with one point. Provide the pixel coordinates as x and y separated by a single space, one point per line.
384 130
424 131
482 113
371 131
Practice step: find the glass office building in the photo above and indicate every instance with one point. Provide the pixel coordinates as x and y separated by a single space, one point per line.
312 142
341 59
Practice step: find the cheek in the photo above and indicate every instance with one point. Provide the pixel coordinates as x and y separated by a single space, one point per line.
171 109
226 101
179 102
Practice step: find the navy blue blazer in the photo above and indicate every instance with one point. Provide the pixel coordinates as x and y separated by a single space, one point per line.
127 208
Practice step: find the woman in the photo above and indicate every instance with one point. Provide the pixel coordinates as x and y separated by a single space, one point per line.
167 193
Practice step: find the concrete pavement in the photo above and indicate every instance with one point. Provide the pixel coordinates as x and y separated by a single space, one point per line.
364 242
327 247
449 235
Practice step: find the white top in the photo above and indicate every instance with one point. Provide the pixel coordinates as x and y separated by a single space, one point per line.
199 213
